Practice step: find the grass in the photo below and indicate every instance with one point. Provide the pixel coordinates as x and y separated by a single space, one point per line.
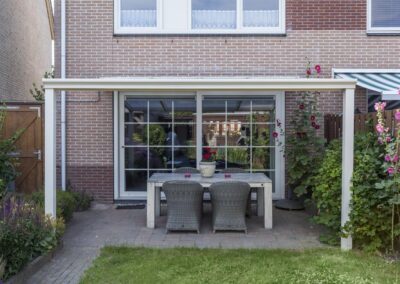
184 265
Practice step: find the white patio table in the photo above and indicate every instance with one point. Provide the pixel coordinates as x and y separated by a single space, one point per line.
255 180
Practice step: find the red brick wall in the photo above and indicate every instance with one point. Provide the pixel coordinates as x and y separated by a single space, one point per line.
333 36
326 14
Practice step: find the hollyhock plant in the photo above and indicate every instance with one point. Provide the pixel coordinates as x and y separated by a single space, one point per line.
305 146
391 163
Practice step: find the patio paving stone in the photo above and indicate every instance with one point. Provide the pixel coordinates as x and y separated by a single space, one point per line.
103 225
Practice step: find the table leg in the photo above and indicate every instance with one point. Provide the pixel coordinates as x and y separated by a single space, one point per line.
158 201
260 201
268 205
151 218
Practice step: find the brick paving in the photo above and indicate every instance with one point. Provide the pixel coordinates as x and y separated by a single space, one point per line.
103 225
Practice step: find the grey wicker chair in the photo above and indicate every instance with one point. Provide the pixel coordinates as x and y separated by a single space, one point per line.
184 205
228 200
240 171
184 170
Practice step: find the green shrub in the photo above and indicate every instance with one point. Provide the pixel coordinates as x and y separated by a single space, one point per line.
327 192
370 218
82 200
67 202
25 233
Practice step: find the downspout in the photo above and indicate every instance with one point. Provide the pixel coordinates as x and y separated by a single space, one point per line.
63 99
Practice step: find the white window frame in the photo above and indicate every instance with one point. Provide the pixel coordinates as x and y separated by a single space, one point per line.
240 29
378 30
137 30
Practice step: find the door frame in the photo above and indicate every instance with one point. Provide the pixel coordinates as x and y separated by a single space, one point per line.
118 125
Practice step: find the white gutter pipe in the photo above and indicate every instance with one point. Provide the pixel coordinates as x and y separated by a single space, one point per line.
63 99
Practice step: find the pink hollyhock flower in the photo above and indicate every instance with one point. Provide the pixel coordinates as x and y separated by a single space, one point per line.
388 139
387 158
395 159
313 124
308 72
318 68
317 127
397 115
301 106
379 128
275 134
390 170
380 106
312 117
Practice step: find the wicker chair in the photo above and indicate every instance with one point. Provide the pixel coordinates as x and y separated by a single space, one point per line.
229 199
184 170
240 171
184 205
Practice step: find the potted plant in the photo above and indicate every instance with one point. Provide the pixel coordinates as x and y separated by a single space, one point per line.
207 164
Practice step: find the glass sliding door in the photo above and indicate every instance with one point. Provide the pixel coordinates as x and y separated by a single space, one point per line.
159 135
240 131
163 131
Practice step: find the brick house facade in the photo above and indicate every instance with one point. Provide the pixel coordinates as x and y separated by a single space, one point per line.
26 33
333 36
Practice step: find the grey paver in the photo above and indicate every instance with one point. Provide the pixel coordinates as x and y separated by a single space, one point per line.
104 225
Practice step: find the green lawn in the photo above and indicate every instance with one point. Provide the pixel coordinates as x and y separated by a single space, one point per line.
142 265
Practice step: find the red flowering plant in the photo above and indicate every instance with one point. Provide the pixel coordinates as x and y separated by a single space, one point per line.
208 155
391 166
304 145
310 72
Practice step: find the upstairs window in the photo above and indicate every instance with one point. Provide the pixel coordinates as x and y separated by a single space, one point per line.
384 16
199 16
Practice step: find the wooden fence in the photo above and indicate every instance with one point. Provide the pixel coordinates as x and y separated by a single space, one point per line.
363 122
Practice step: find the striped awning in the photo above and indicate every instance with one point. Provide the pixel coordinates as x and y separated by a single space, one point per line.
385 82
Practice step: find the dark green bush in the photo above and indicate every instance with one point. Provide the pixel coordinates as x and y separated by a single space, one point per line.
67 202
370 219
82 200
25 233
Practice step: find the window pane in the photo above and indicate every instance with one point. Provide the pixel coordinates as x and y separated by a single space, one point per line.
159 157
263 110
185 157
238 134
263 158
214 134
138 13
214 110
159 135
136 158
185 135
262 135
260 13
185 111
160 110
238 158
213 14
238 110
136 110
135 134
136 180
385 13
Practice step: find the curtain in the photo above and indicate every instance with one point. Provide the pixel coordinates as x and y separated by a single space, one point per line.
266 18
138 18
213 19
